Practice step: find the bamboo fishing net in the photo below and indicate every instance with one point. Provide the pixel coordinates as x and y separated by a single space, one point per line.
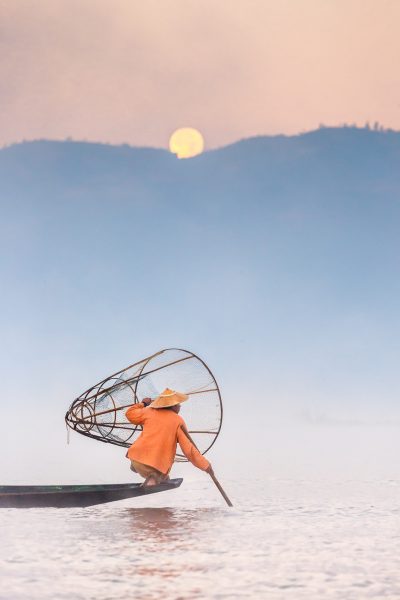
99 412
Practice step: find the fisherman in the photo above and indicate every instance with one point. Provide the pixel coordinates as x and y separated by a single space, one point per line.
153 453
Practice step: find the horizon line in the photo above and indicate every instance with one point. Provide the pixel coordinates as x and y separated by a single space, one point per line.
376 128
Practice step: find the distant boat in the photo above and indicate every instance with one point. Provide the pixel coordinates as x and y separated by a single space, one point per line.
69 496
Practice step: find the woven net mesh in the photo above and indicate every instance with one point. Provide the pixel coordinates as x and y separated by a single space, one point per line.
100 411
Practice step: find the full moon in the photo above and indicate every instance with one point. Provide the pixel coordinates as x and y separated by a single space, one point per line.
186 142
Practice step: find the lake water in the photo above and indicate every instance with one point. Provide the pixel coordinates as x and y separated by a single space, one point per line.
283 539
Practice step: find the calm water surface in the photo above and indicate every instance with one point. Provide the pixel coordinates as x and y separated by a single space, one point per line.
283 539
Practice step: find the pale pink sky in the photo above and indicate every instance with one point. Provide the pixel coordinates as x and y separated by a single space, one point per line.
134 70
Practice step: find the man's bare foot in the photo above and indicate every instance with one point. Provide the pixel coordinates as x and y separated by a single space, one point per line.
150 481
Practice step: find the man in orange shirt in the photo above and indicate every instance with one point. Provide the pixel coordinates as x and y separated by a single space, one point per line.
153 453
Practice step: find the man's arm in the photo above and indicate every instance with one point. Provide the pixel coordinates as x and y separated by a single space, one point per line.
191 452
136 413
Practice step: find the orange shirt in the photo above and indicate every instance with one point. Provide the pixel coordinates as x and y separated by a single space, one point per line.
156 445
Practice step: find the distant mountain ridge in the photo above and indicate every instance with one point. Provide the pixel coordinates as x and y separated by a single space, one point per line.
337 155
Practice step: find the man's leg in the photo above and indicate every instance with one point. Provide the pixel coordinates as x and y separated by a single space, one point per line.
149 474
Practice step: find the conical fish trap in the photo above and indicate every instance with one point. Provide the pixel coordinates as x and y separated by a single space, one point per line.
100 411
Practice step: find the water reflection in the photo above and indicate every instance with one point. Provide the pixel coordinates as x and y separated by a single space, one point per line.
153 524
162 525
163 535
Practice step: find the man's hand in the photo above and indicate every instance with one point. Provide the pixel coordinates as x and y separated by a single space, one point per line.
209 470
147 401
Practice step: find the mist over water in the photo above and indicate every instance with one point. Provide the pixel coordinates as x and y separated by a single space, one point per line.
274 259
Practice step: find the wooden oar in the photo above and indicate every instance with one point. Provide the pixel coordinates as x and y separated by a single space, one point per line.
212 475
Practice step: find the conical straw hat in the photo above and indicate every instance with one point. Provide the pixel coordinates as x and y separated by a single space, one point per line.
168 398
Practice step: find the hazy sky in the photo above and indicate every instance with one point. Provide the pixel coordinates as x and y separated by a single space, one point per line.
133 71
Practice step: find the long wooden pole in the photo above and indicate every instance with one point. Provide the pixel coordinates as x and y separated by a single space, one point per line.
212 475
103 412
110 410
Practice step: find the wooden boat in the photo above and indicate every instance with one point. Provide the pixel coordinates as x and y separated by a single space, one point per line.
69 496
